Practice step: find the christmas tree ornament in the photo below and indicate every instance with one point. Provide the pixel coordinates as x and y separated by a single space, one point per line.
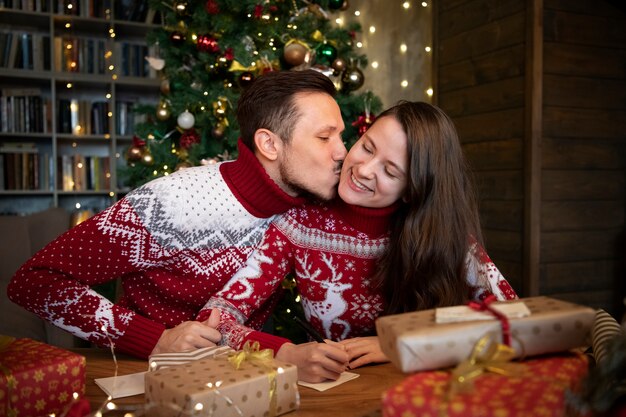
218 131
352 79
211 7
327 71
335 4
326 53
182 154
245 79
339 65
219 107
186 120
207 43
134 153
165 86
364 122
177 38
163 111
147 158
189 138
155 63
183 165
296 52
180 7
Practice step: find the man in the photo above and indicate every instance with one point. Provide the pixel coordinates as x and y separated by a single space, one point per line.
178 239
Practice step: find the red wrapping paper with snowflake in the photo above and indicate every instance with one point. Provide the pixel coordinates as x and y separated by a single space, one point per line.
37 379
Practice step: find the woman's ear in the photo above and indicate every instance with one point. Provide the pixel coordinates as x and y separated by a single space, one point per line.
267 144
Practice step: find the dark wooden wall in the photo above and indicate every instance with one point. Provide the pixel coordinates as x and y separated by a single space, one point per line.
537 90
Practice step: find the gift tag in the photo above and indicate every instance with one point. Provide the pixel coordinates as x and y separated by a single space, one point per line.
512 310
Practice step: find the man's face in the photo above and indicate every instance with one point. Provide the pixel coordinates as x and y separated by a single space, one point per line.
310 163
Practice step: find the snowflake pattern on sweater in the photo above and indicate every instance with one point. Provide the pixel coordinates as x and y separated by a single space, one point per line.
331 260
173 242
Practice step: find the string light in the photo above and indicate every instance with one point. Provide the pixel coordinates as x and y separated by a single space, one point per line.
372 29
427 49
424 4
357 13
375 64
404 83
403 48
429 92
406 4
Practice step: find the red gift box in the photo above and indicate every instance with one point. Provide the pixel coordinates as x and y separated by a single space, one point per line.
37 379
537 391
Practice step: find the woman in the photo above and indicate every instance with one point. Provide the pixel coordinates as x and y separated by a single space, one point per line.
404 236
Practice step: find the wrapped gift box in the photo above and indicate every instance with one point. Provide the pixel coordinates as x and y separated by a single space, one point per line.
414 342
37 379
215 384
538 390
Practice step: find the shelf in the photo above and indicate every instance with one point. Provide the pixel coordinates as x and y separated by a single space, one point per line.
37 98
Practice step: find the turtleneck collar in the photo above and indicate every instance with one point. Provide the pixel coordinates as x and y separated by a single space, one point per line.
253 187
372 221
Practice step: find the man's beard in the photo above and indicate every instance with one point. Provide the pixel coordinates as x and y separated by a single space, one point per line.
295 186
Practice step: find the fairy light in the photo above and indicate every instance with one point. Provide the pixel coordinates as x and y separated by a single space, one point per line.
429 92
108 96
372 29
375 64
77 204
357 13
198 407
359 44
403 48
68 25
404 83
424 4
68 85
406 5
339 21
427 49
111 194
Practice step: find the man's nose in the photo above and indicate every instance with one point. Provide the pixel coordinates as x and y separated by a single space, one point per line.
340 151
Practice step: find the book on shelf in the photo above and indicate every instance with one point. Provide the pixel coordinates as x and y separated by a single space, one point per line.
24 110
84 173
24 167
83 117
80 54
23 50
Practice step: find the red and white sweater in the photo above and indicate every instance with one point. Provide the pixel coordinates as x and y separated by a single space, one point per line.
173 242
332 251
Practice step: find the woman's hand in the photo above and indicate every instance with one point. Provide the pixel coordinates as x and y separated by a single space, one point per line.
364 350
316 362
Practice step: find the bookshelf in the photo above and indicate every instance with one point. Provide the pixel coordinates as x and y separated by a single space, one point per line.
70 73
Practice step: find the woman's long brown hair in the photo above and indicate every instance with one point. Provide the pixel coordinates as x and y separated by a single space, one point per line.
424 264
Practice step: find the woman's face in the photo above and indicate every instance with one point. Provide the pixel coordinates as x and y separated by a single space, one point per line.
374 173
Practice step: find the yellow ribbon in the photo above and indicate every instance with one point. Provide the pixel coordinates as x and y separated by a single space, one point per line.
237 66
486 356
317 36
252 353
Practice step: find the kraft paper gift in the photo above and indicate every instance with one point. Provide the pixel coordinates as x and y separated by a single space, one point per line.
259 387
414 342
37 379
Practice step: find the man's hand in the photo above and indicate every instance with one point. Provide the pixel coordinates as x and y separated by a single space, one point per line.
316 362
190 335
363 350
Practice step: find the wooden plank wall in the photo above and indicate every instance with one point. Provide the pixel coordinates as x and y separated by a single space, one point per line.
480 72
583 152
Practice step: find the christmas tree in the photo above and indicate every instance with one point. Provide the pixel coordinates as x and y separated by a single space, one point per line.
207 52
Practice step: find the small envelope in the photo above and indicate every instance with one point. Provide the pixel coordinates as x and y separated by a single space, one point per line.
323 386
122 386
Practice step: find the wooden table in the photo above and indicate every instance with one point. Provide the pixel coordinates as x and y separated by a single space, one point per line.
360 397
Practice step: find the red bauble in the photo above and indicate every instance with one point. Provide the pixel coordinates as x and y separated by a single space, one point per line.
211 7
189 138
207 43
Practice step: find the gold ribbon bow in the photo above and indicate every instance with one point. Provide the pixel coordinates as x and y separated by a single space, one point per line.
486 356
252 353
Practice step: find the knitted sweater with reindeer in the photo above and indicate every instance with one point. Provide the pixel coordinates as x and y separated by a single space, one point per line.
332 250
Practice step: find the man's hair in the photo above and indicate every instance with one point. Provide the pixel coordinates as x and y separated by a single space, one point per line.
269 102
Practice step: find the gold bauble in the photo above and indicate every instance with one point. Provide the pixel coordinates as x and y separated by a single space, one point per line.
134 153
296 53
163 112
147 158
165 86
